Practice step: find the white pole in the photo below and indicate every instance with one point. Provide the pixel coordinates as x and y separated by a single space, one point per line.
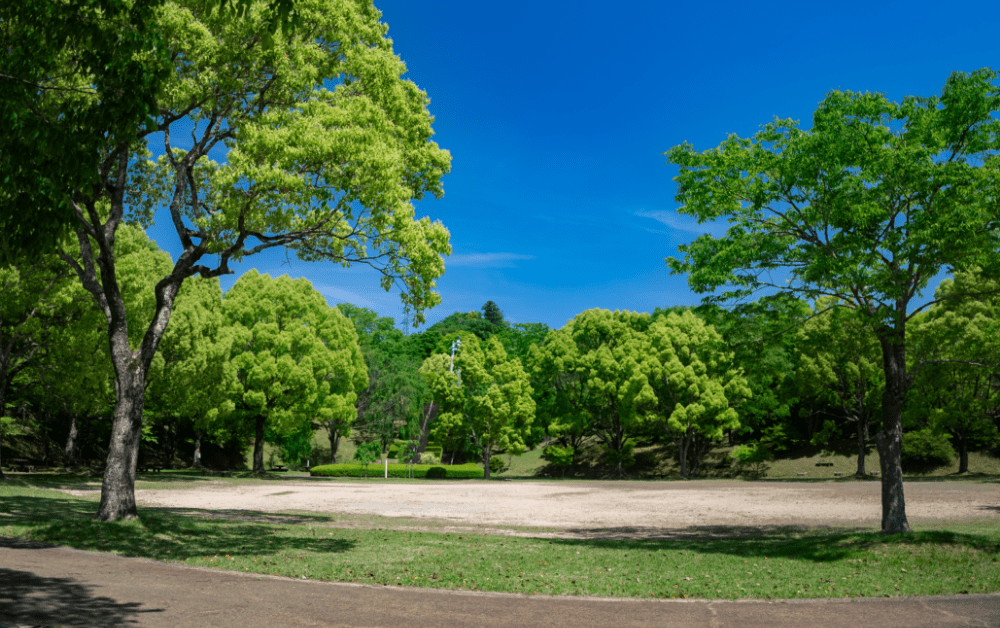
387 468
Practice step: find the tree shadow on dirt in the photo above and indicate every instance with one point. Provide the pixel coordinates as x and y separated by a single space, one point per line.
28 599
818 544
164 533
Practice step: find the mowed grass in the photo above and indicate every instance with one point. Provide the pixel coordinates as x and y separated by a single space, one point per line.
726 563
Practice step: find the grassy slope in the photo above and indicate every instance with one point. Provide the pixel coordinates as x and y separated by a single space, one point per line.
777 563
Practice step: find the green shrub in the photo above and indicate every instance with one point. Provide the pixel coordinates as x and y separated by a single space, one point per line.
753 455
436 472
429 458
923 450
395 471
497 465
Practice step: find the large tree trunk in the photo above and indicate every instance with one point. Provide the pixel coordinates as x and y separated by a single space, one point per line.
118 485
258 445
197 449
890 437
71 441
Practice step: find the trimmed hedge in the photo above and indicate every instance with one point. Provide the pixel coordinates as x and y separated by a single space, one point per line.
355 469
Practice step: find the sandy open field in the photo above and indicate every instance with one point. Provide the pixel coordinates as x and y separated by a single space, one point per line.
583 509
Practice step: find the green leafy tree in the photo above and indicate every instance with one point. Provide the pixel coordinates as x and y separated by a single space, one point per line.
330 174
592 368
840 367
754 332
956 391
490 399
81 79
391 404
867 206
367 453
695 383
754 455
296 359
493 314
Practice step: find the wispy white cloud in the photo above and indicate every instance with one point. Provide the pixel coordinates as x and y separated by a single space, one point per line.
343 296
486 260
681 222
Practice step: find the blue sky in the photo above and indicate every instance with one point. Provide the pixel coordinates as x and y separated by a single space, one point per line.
557 114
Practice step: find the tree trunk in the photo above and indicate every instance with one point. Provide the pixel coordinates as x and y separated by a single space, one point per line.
71 441
486 462
258 445
334 443
890 437
682 454
197 449
2 476
172 452
963 455
118 485
861 451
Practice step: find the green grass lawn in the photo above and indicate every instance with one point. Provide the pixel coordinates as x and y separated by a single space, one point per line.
732 563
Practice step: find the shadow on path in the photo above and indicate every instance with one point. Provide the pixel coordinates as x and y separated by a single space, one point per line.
26 598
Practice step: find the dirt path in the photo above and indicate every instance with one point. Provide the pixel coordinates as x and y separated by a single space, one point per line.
599 505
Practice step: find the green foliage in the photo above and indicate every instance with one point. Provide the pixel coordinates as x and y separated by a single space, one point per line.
469 322
493 314
559 456
429 457
492 406
296 359
956 349
590 380
694 382
925 449
497 465
367 453
867 206
437 473
754 455
81 79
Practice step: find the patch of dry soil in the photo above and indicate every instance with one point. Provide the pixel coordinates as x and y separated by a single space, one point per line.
629 508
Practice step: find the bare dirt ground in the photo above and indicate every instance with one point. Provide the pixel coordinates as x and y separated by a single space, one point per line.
607 509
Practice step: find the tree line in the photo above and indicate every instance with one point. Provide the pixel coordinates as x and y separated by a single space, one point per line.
328 146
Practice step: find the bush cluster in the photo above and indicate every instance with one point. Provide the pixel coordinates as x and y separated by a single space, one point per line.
397 471
923 450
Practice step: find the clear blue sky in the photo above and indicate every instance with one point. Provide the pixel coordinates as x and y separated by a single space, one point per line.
557 114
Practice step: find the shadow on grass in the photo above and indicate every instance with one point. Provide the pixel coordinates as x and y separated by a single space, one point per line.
817 544
163 533
28 599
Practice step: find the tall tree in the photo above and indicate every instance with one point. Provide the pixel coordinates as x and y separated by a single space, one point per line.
329 174
696 385
592 365
490 400
492 313
867 206
295 357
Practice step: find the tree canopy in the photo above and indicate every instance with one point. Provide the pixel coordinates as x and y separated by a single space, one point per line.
867 206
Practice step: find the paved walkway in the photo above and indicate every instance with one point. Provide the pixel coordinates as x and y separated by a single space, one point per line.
42 585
